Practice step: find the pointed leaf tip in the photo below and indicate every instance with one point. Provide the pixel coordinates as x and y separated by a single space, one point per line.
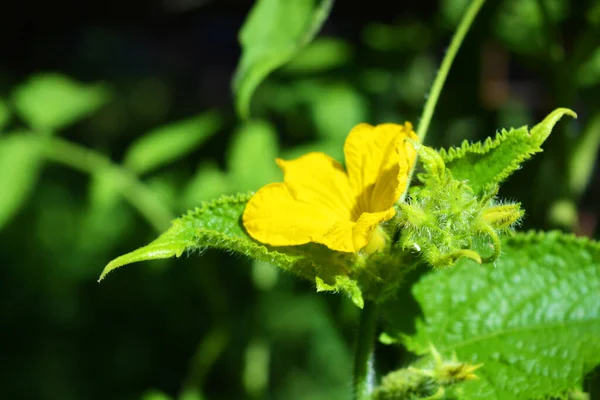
542 130
165 246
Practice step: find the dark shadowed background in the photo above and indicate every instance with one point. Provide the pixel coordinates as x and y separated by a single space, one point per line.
223 325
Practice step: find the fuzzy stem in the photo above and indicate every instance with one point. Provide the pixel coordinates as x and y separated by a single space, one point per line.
363 352
440 79
89 161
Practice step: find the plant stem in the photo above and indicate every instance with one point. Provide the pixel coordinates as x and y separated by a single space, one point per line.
440 79
89 161
363 352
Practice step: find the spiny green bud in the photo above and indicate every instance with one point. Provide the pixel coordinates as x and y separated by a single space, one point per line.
451 372
427 382
443 218
504 216
413 215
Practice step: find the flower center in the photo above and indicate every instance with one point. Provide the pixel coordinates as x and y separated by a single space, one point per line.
377 241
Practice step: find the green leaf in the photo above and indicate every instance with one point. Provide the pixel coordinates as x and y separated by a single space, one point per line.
342 283
484 165
321 55
53 101
251 157
4 114
533 319
168 143
20 159
217 225
273 33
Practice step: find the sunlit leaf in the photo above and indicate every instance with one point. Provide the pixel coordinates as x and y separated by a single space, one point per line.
20 158
217 225
168 143
533 319
251 156
50 102
273 33
484 165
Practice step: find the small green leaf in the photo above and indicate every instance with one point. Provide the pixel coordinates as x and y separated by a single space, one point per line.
533 320
541 131
485 165
218 225
321 55
4 114
168 143
251 157
273 33
342 283
20 159
53 101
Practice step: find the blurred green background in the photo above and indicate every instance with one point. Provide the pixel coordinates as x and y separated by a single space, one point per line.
117 117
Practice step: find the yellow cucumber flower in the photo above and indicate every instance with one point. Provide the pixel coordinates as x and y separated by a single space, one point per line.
320 202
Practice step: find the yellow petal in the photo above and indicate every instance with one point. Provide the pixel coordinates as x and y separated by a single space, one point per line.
366 223
312 205
319 180
378 162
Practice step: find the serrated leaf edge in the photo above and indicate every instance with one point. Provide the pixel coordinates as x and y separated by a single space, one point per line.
484 147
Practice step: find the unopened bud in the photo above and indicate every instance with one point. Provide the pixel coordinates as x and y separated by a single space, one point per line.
504 216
